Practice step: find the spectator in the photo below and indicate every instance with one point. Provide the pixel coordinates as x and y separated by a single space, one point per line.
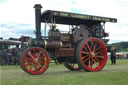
113 55
5 53
15 53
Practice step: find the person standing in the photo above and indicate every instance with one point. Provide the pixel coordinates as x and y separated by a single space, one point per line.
15 54
5 53
113 55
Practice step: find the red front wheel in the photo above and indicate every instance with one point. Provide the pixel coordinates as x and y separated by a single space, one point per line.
91 54
34 61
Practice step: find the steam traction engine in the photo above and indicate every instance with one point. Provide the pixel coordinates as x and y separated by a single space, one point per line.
82 47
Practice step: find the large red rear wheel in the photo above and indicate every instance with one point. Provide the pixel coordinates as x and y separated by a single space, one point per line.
34 61
91 54
72 66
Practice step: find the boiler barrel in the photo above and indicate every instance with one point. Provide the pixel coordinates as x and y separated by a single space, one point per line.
53 44
44 43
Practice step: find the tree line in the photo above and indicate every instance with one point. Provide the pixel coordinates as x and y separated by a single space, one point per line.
120 46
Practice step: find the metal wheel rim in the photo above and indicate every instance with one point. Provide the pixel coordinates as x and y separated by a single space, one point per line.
35 60
93 54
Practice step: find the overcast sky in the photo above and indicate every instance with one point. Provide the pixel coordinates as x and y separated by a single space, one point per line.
17 17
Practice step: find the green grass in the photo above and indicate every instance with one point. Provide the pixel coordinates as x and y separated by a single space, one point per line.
59 75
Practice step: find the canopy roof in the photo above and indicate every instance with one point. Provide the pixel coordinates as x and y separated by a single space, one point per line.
9 42
72 18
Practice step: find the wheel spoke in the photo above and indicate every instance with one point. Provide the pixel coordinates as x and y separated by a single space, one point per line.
94 47
96 59
34 52
28 64
102 57
85 56
41 57
31 67
42 62
28 59
98 53
89 63
96 63
39 54
40 65
98 48
89 48
86 48
35 67
29 54
84 52
86 59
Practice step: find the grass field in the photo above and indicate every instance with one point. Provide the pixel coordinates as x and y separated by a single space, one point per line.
59 75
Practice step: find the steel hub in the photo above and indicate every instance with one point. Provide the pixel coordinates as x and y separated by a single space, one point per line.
36 60
92 54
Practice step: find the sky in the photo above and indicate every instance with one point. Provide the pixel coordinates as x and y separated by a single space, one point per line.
17 17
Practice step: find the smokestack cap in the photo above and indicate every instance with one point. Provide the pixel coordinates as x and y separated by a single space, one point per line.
38 6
